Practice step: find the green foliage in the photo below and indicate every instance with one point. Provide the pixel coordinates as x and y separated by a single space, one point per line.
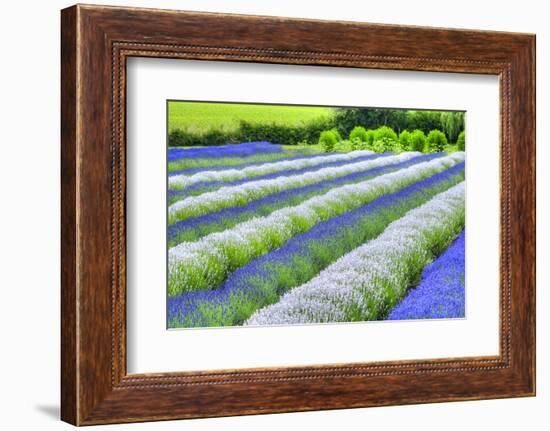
385 132
181 137
336 133
359 133
369 118
397 147
204 124
370 137
423 120
449 148
405 140
397 119
385 139
328 140
380 146
348 118
417 141
344 146
250 132
452 123
355 143
284 134
461 141
436 141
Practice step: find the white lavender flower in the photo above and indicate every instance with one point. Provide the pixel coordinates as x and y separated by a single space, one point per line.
265 168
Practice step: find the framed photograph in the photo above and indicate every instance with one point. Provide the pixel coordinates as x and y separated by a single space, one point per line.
265 214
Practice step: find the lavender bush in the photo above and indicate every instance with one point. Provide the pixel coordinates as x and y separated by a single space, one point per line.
440 294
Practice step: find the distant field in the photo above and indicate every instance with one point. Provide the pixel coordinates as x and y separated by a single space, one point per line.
199 117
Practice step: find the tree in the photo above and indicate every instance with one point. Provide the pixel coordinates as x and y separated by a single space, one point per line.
423 120
348 118
452 123
397 119
371 118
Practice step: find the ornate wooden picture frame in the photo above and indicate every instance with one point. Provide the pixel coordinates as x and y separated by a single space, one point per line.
96 41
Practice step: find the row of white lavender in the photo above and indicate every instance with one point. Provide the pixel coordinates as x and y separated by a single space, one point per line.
182 181
230 196
204 264
358 285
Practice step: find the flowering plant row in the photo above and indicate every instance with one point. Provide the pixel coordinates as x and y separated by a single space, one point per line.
242 194
205 264
194 228
367 283
265 279
182 181
264 236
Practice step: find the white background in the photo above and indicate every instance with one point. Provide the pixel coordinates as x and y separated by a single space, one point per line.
151 348
29 229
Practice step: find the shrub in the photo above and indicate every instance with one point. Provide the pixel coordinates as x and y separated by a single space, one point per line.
217 137
380 146
254 132
328 140
336 133
359 133
461 141
370 138
385 132
417 141
179 138
355 143
276 133
436 141
405 140
366 144
359 145
398 147
385 139
182 137
343 146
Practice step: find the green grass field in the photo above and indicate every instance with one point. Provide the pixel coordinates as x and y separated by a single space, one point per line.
198 117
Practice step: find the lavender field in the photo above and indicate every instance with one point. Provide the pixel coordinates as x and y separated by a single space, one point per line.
264 234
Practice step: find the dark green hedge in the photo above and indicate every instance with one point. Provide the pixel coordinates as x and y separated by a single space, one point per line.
451 123
250 132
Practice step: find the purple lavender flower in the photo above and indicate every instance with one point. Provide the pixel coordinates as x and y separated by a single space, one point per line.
440 293
232 150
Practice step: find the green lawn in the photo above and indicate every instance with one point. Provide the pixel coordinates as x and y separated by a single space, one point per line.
199 117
